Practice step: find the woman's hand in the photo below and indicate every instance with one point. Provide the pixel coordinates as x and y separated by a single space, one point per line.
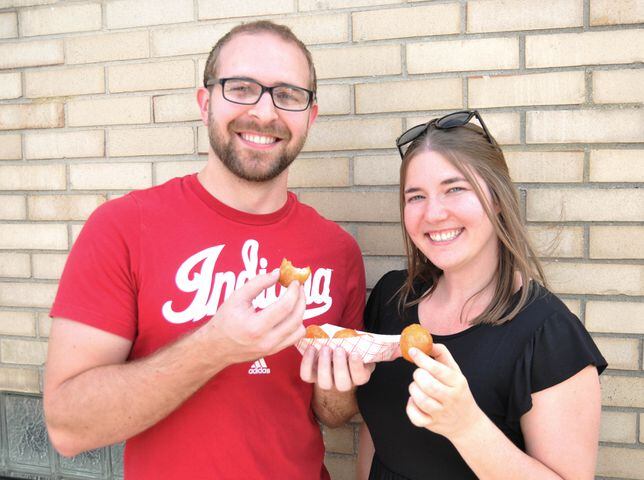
440 398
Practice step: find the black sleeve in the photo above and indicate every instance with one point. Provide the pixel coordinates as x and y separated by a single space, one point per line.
559 349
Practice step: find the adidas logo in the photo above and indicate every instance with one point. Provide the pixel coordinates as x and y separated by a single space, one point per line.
259 368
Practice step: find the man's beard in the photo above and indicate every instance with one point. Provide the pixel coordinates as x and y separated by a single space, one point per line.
253 166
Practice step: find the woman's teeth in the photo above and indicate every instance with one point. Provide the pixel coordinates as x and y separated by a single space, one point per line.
445 236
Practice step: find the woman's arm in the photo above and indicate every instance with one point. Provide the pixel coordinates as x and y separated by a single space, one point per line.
561 432
365 453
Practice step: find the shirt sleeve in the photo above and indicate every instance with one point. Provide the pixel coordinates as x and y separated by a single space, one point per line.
559 349
98 286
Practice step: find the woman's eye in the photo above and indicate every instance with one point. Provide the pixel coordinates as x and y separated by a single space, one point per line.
455 189
414 198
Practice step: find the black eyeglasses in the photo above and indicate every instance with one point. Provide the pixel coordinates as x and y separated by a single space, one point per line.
246 91
451 120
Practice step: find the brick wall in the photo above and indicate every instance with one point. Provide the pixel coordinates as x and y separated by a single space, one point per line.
97 98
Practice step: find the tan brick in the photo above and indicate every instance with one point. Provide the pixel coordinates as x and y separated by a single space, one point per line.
107 47
241 8
14 265
409 95
340 467
338 440
573 305
617 242
45 115
44 325
463 55
31 54
151 141
618 427
48 265
24 3
32 177
62 207
585 126
77 144
27 236
60 19
176 108
203 143
186 40
110 176
418 21
620 391
70 81
618 86
10 147
545 167
595 279
615 317
620 353
319 172
353 134
317 29
17 323
334 99
557 88
8 25
137 13
306 5
26 352
164 171
376 267
13 207
557 241
108 111
10 85
27 294
587 48
617 165
504 127
357 61
151 76
376 170
503 15
19 380
642 429
585 205
355 206
615 12
384 239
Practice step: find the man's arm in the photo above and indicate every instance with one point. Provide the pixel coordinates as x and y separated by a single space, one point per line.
336 376
93 397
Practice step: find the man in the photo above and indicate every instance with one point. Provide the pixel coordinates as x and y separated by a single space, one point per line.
170 330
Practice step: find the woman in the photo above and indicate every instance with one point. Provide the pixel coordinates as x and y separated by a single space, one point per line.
512 390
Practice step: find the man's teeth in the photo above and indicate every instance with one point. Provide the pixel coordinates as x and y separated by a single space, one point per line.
258 139
444 236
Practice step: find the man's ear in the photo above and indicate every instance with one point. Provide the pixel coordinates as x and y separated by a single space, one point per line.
203 100
313 114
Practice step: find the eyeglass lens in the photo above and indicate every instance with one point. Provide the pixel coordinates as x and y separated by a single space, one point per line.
249 92
457 119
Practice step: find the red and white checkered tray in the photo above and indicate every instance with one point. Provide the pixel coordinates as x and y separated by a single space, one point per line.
370 346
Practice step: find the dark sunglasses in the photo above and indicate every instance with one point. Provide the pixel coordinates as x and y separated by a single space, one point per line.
451 120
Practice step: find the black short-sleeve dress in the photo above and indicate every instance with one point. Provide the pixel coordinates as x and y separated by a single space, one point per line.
542 346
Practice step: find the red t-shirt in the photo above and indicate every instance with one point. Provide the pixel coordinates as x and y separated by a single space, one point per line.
157 263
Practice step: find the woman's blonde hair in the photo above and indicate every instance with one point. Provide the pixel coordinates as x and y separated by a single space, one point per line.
468 149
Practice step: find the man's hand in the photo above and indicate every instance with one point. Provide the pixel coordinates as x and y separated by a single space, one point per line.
334 369
245 334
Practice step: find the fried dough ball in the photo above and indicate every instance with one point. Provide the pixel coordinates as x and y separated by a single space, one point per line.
415 336
345 333
315 331
288 273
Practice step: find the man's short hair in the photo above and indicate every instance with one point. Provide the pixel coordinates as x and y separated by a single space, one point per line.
260 26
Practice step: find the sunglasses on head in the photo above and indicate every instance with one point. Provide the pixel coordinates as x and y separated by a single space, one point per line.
451 120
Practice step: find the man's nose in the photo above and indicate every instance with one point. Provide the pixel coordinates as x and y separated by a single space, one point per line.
264 109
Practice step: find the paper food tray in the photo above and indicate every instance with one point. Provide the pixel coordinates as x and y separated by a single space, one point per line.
370 346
